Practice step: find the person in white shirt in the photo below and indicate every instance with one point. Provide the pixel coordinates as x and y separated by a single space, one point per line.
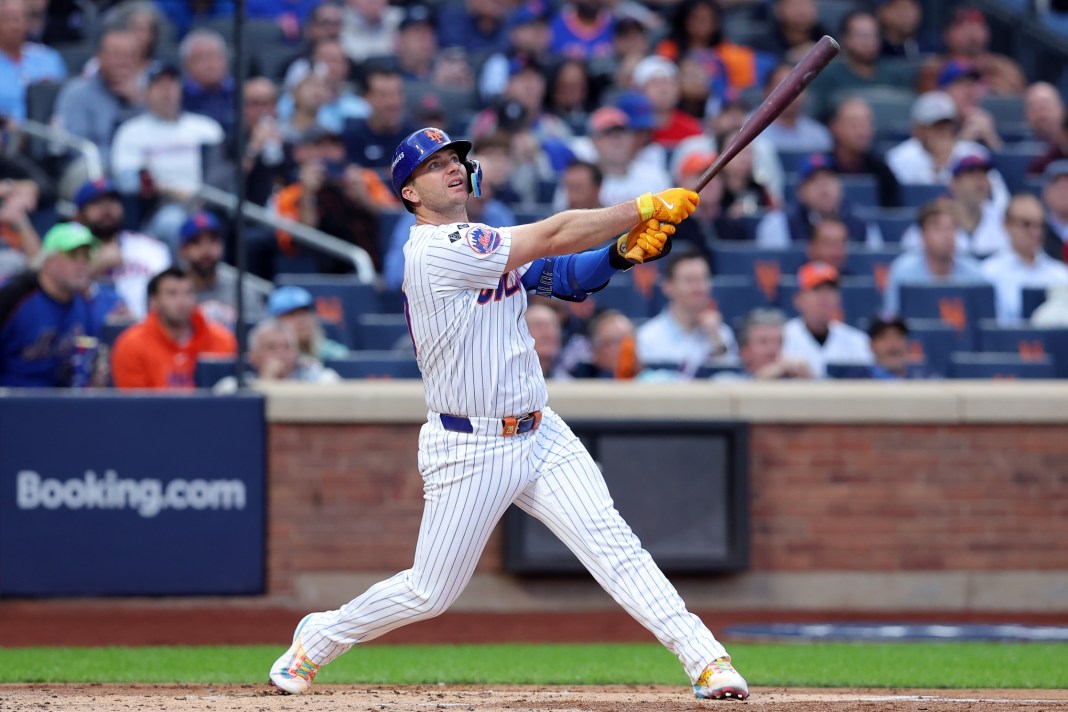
979 216
1023 264
817 335
165 146
929 156
689 331
624 172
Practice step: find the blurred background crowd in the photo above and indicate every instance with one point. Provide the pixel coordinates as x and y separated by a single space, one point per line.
906 217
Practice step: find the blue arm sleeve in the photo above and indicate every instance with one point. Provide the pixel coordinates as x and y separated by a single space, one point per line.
570 277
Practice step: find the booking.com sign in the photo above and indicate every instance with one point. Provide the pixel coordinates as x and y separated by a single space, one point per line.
118 495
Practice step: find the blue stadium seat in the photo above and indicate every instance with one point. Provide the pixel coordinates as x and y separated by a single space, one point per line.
934 342
861 191
1012 164
961 306
383 332
861 300
848 371
387 220
1000 365
791 160
212 369
764 267
376 364
916 194
736 297
624 297
110 332
1029 343
339 300
1033 298
893 222
871 263
710 370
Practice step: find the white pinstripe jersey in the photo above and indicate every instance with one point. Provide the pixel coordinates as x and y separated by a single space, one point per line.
466 319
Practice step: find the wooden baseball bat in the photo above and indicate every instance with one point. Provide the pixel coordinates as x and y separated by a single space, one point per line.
788 89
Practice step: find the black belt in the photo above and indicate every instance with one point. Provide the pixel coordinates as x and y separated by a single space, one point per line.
512 425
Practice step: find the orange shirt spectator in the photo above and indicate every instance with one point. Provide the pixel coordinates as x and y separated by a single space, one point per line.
162 351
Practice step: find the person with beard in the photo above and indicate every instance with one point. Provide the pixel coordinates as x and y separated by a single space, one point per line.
124 261
162 351
200 251
583 30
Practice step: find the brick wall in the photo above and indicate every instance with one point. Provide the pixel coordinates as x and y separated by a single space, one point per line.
348 498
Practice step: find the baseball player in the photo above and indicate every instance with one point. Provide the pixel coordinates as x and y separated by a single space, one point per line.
490 440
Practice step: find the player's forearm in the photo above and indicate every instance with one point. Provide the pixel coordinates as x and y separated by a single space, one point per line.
579 230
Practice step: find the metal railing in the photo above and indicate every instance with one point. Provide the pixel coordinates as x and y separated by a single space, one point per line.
94 166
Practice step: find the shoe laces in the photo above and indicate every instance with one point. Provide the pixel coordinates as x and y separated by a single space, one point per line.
306 669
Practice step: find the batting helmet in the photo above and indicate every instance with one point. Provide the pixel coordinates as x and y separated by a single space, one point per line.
422 144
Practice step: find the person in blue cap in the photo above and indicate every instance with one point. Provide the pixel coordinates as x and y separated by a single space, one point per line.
295 307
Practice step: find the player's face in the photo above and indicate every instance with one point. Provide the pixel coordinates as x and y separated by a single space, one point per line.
440 183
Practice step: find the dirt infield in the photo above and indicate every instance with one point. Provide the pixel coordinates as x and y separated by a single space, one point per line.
182 698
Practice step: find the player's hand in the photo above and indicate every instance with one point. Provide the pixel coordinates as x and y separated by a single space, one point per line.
672 205
652 237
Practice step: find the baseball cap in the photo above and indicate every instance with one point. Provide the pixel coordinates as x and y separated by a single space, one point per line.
1055 170
971 162
639 110
163 69
197 223
528 13
607 118
653 67
964 13
417 15
67 237
696 162
814 274
289 299
813 164
932 107
94 190
957 69
884 323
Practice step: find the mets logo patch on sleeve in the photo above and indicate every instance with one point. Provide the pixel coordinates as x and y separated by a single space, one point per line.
483 240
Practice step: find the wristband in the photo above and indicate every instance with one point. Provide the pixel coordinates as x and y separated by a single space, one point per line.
644 202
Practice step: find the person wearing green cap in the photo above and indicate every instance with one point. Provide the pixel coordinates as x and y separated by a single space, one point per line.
47 331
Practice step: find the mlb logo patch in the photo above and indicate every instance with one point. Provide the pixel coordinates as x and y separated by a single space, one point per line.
484 240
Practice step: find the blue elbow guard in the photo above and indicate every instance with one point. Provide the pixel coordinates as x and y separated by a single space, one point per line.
570 277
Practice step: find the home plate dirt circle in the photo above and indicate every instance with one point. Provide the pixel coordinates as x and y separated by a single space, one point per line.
638 698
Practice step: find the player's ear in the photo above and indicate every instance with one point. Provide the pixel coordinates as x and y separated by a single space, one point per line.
409 193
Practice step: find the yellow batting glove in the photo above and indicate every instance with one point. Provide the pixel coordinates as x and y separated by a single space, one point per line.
645 241
672 205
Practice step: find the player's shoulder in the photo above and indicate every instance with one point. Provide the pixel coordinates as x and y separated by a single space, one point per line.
478 237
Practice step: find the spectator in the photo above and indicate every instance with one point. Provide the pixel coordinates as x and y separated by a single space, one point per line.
416 44
614 143
338 199
44 319
1044 111
528 41
452 72
370 142
963 83
1052 313
829 244
1056 147
324 23
1023 263
630 45
641 119
703 227
583 29
369 29
295 307
91 107
22 63
215 283
760 340
853 131
795 27
142 19
613 348
935 147
1055 201
744 194
544 328
857 67
525 88
308 98
890 347
478 26
581 183
978 213
166 153
55 22
937 263
658 79
161 351
819 196
793 130
268 158
340 103
207 87
697 32
124 260
689 332
274 356
568 94
817 335
967 38
19 242
899 25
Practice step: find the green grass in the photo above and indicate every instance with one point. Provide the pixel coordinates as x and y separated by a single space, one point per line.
938 665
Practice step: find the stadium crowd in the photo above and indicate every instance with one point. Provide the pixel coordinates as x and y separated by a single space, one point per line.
906 217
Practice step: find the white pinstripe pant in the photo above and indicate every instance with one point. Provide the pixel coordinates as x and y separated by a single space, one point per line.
469 482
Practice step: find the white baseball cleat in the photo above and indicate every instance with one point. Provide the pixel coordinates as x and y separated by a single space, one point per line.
294 671
720 681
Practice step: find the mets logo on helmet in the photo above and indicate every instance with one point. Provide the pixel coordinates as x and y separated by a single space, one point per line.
483 240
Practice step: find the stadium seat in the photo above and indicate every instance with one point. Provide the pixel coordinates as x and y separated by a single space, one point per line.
892 221
1004 108
871 263
710 370
376 364
1012 164
736 297
1029 343
764 267
891 108
1033 298
40 105
383 332
916 194
791 160
861 191
848 371
212 369
339 299
75 56
934 342
1000 366
623 296
110 332
961 306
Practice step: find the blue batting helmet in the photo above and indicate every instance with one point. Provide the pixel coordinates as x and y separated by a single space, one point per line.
422 144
